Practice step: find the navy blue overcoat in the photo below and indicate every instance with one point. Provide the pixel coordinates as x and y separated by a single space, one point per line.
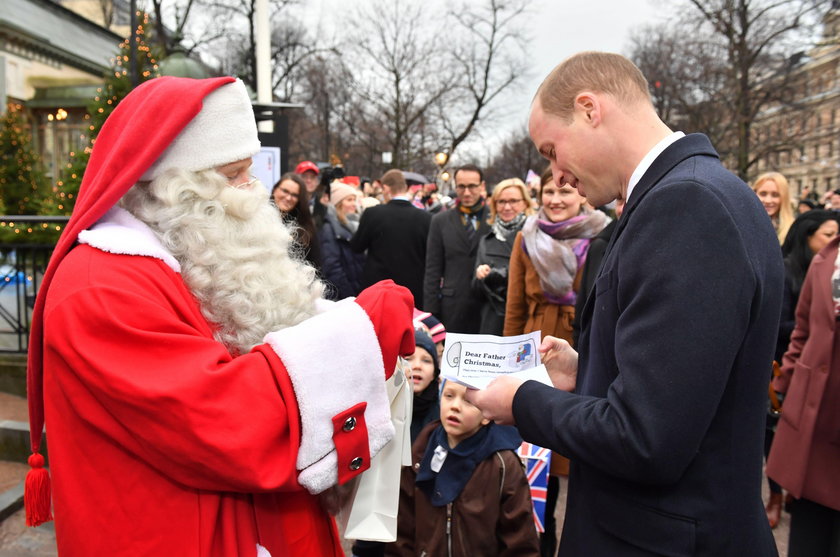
666 427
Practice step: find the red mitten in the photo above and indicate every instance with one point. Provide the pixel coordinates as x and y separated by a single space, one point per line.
390 308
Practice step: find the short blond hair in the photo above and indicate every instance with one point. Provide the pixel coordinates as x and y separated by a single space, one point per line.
502 186
601 72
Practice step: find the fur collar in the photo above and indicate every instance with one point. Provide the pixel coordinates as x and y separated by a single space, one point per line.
120 232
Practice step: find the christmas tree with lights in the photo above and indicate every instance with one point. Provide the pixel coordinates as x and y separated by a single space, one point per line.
22 180
23 184
117 85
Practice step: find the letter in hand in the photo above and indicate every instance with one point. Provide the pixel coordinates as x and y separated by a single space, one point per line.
390 308
561 361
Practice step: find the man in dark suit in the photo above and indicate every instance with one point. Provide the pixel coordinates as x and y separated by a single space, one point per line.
450 255
666 422
394 235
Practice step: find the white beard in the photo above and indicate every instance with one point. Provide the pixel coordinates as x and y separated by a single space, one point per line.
236 255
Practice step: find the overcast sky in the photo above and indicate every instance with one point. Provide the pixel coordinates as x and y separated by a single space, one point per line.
559 28
563 27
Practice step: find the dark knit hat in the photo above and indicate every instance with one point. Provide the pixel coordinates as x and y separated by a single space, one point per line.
424 341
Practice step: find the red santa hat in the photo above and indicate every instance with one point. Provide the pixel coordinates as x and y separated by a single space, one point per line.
224 131
161 124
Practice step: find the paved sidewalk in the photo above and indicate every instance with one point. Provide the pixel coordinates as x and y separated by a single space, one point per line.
16 540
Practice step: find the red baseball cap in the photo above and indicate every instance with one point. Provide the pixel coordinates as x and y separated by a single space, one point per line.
307 165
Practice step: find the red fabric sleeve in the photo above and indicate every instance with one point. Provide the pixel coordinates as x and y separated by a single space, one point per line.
137 366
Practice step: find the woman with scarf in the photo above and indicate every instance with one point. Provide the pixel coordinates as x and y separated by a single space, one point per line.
548 255
545 269
341 266
509 205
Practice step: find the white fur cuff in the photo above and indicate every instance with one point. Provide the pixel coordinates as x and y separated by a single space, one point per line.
334 362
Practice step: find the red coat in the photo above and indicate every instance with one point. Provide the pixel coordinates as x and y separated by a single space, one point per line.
805 457
162 443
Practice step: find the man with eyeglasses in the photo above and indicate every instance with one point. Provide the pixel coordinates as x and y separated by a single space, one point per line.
177 350
450 255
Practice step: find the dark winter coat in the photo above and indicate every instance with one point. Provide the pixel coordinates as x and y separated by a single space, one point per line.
594 257
450 266
394 236
493 288
341 267
665 430
805 456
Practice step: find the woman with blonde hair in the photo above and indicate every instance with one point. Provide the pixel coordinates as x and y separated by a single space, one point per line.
509 205
774 192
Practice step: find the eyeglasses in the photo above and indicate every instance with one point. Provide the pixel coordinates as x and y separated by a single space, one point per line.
510 202
287 192
471 187
251 180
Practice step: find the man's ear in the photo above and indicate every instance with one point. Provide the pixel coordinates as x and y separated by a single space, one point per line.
588 105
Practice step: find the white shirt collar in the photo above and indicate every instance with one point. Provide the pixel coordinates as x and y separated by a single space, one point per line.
648 160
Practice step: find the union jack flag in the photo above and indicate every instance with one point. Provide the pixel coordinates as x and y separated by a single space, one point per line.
536 460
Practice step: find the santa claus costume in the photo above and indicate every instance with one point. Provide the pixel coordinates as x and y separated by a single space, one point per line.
163 441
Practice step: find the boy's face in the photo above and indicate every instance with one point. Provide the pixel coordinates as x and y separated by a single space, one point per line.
421 369
461 420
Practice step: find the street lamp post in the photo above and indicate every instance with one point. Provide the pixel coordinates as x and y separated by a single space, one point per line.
441 158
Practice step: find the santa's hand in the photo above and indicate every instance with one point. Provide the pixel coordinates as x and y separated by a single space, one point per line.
561 361
390 308
496 400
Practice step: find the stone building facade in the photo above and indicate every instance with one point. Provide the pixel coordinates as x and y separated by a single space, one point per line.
812 161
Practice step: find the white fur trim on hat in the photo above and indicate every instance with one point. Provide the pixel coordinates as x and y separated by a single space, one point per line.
331 371
224 131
